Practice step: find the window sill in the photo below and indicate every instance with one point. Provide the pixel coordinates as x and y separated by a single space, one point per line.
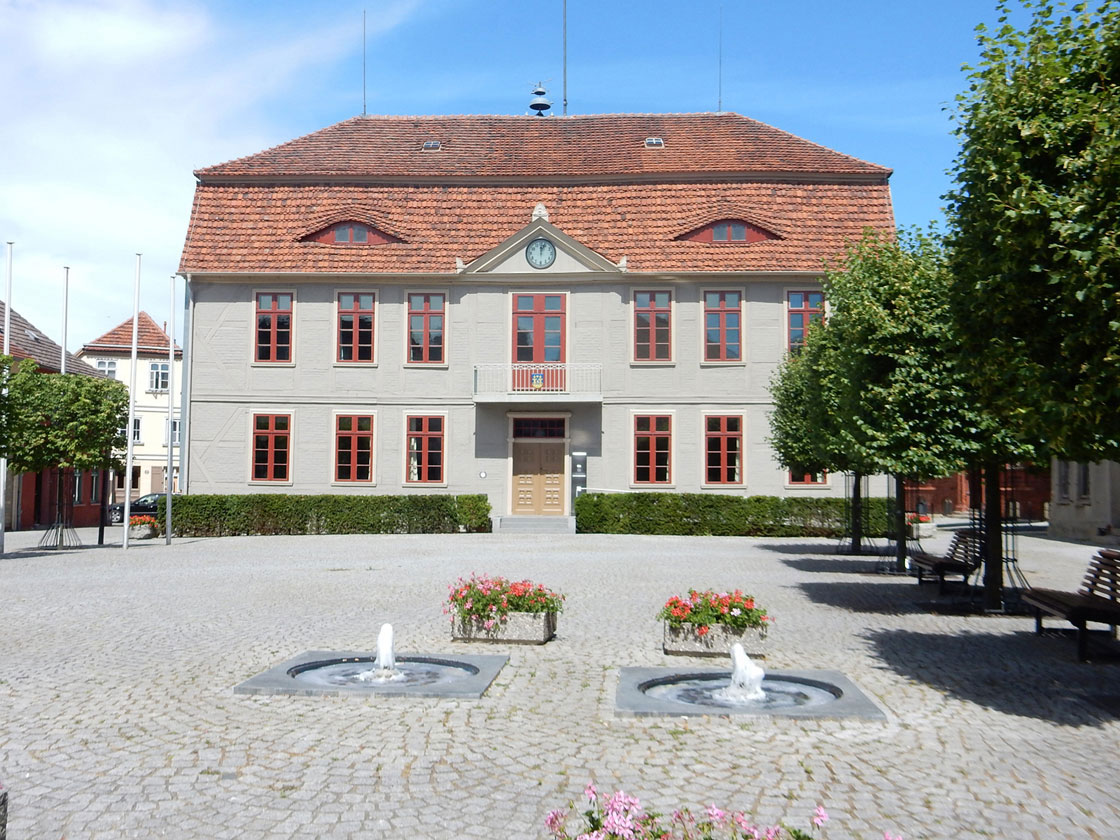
353 484
264 483
717 363
706 486
339 364
825 486
653 363
272 364
651 487
432 365
424 484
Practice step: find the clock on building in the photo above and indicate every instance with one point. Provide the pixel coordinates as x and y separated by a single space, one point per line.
540 253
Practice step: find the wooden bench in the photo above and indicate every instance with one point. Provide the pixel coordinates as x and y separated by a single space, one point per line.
965 554
1098 600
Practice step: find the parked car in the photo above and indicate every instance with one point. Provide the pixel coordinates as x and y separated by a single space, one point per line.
144 505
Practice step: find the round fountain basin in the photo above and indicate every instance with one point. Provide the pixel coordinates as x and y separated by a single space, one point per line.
708 690
337 673
412 671
653 692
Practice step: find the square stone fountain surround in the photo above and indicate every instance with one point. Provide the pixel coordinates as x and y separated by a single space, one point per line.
277 680
631 701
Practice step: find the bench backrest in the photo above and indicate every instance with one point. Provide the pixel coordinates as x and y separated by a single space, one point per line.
966 547
1103 577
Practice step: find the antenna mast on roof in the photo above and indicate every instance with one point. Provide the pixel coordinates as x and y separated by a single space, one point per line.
363 62
719 100
565 58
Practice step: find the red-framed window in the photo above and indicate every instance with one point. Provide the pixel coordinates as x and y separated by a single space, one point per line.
353 447
538 328
652 336
426 327
803 310
271 445
723 326
729 231
802 478
723 449
355 326
351 233
653 445
274 327
425 450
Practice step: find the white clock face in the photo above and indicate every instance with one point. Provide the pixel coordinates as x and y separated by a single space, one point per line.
540 253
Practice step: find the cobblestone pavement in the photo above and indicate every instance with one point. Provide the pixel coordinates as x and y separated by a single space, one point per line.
117 717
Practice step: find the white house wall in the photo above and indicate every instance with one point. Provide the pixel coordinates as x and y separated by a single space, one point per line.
226 387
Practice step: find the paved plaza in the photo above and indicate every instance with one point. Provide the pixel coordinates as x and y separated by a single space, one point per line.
118 718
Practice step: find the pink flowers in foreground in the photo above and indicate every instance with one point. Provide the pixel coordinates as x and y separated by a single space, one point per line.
620 816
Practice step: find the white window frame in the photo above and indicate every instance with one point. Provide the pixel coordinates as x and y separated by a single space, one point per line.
377 306
427 290
672 360
270 290
702 303
671 413
159 372
446 436
272 410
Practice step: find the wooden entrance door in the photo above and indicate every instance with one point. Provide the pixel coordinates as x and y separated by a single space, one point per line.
538 478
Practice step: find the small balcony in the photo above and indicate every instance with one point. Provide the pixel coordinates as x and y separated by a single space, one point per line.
546 382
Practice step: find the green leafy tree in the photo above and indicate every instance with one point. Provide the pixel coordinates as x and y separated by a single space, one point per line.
877 388
1035 218
63 420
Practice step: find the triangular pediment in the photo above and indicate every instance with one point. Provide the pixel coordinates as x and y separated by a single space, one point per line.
509 256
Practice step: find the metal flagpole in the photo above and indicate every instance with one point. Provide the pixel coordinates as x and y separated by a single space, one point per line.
65 313
170 411
7 352
131 405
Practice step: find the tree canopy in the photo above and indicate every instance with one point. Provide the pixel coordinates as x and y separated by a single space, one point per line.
1035 218
876 388
61 420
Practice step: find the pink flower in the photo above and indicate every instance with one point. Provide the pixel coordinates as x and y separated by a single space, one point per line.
820 816
590 792
554 822
488 623
716 815
887 836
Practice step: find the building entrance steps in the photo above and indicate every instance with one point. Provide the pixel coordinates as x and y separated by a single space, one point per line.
535 525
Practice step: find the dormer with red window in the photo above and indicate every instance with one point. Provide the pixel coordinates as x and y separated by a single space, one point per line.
728 232
351 233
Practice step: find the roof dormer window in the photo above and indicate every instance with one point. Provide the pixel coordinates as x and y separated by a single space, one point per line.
354 232
655 143
728 232
351 233
431 146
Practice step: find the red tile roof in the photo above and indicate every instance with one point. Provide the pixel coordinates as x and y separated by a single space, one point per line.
594 175
601 146
246 228
29 342
150 338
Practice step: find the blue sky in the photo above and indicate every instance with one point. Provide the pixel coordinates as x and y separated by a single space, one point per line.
108 106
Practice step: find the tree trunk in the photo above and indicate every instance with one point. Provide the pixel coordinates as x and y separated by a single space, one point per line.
104 510
857 513
900 524
993 540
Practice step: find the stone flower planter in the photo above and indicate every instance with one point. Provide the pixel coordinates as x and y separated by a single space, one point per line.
141 532
519 628
920 530
684 640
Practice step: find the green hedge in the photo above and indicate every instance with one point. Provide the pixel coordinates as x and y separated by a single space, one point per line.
272 513
707 514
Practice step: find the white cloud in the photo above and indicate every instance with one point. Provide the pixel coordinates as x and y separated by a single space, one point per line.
107 109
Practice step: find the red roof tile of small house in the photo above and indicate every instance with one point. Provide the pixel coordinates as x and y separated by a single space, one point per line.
600 145
594 175
29 342
150 338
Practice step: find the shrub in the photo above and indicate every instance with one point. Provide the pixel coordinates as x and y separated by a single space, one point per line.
710 514
278 513
490 600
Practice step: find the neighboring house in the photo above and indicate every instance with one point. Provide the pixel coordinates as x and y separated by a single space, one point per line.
156 378
32 497
514 306
1086 501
